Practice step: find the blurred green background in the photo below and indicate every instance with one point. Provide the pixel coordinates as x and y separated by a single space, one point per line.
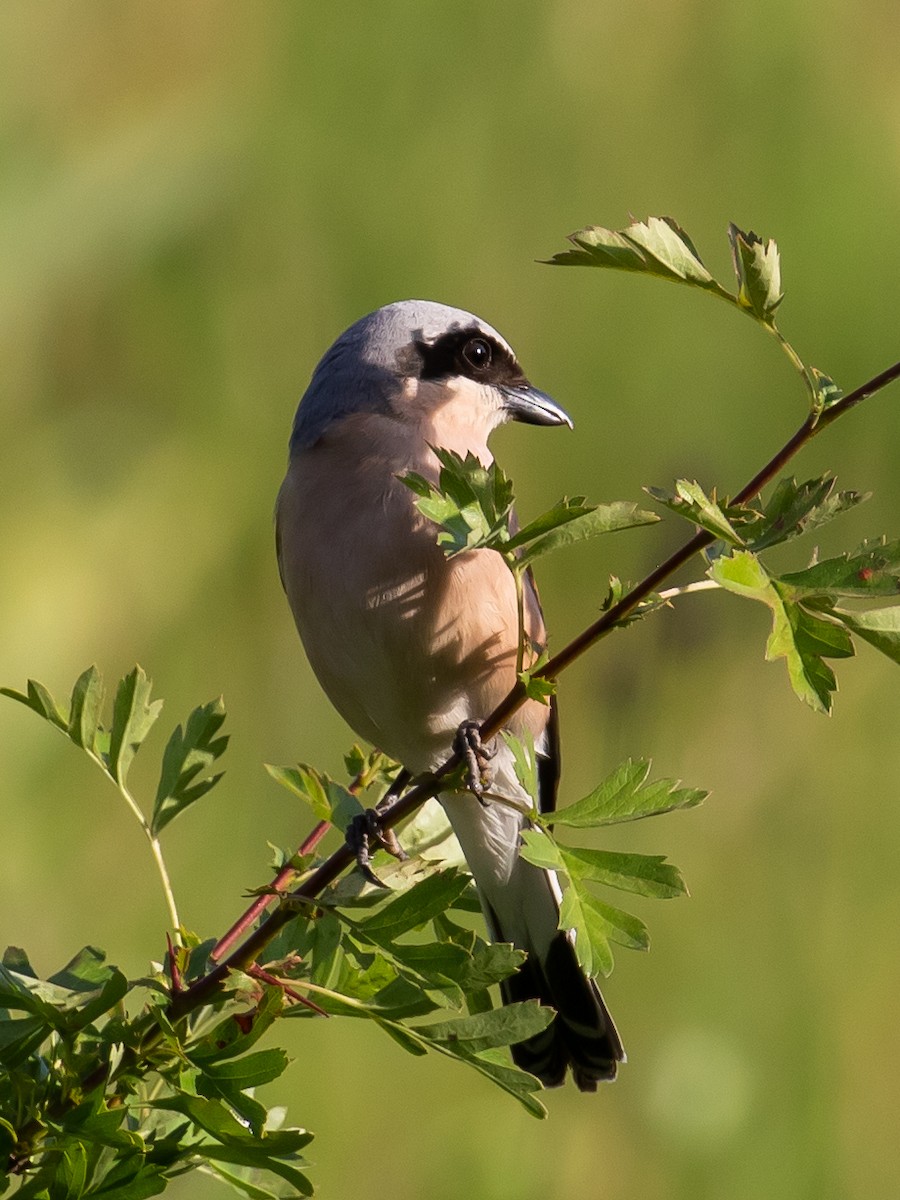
195 199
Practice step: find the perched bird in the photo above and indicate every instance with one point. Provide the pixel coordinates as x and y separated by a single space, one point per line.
410 645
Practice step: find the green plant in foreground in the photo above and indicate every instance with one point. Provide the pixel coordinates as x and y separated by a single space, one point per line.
112 1087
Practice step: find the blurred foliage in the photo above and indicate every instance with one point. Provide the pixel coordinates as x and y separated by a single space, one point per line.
196 199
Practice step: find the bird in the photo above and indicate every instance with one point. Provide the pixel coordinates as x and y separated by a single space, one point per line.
411 645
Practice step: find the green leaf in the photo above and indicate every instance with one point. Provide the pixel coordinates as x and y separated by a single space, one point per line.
329 800
758 269
578 524
618 590
599 247
536 686
20 1038
213 1118
84 710
413 908
592 948
260 1160
827 393
658 247
802 638
495 1065
191 751
596 924
250 1070
669 251
541 850
133 717
880 627
691 502
150 1181
87 971
39 700
524 760
873 569
626 796
643 874
71 1174
794 509
471 503
500 1027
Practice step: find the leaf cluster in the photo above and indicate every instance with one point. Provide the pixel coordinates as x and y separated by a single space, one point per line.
472 506
98 1100
624 795
191 751
810 623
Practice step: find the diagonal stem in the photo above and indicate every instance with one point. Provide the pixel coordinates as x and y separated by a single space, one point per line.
202 989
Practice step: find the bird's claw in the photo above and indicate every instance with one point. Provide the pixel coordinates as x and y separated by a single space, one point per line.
363 830
477 756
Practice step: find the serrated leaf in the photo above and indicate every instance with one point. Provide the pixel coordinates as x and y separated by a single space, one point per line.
592 948
133 717
191 751
70 1178
757 266
490 962
642 874
873 569
626 796
578 527
827 393
802 638
691 502
596 924
880 627
794 509
500 1027
658 246
668 250
329 800
599 247
471 503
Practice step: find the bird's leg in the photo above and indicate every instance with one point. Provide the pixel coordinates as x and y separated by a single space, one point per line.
366 828
477 757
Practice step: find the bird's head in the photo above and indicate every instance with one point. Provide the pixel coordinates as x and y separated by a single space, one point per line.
439 371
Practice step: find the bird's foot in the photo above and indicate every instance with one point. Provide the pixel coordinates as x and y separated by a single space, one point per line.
366 829
476 755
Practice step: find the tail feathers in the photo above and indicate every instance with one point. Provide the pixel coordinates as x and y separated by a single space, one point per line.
582 1036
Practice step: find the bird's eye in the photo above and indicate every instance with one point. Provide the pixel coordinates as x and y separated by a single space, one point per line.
477 354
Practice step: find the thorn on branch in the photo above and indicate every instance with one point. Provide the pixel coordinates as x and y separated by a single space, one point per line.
265 976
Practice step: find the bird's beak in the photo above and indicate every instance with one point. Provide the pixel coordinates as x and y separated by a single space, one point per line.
532 407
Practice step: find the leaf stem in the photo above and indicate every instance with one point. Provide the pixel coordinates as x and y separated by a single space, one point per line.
156 851
795 359
520 614
699 585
